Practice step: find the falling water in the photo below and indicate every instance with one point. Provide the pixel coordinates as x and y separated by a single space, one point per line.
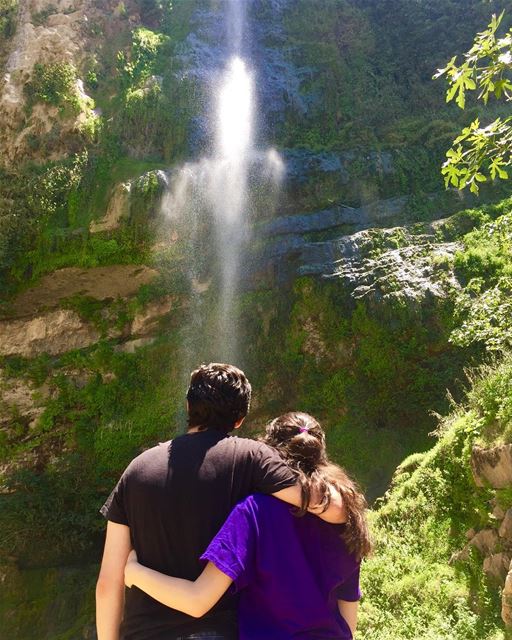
211 200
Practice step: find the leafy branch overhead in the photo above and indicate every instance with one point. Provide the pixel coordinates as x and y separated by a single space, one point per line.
481 152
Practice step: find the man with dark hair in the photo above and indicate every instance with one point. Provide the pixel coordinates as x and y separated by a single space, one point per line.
218 397
171 501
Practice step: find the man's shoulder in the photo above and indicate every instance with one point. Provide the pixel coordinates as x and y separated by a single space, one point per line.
245 444
160 452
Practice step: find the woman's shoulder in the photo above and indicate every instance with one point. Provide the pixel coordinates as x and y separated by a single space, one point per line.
258 501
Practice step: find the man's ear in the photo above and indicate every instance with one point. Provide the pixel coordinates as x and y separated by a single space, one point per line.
239 423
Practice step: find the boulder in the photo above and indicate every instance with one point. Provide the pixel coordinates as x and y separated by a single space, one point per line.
485 541
497 511
496 566
492 466
505 530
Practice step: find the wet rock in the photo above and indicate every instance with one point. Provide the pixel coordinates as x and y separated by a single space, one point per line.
485 541
492 466
496 566
360 217
117 208
400 263
53 333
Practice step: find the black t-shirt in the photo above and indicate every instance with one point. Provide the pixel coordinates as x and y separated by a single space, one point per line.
175 497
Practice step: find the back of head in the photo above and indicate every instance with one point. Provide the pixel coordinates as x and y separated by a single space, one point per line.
218 397
300 441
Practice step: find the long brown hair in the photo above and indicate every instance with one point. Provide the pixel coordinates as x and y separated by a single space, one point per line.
300 441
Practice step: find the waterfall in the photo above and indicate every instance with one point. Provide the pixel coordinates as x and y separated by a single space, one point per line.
211 201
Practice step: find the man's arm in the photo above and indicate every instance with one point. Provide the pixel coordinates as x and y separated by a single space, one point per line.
335 513
110 584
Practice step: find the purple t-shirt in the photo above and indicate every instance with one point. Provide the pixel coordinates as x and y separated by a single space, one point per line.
290 571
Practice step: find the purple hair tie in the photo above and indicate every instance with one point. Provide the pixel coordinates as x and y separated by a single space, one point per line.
303 429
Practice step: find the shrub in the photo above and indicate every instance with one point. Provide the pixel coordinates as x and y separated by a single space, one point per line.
55 84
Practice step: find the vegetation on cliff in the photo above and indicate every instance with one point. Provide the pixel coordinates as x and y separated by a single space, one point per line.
373 369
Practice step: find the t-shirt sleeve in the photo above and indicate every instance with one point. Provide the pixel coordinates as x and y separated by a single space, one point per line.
270 473
114 508
233 550
349 589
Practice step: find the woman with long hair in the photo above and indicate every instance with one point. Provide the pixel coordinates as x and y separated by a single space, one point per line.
297 576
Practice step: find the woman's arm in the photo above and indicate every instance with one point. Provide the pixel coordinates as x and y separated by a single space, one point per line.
194 597
349 611
335 512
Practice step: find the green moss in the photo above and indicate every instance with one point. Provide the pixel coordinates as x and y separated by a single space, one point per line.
8 9
48 604
105 406
370 375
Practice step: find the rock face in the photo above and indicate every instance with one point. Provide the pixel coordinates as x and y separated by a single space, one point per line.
53 333
21 399
397 262
100 283
116 210
146 321
492 467
61 39
62 330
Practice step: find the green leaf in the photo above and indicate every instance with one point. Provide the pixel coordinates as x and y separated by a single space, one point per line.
451 93
461 97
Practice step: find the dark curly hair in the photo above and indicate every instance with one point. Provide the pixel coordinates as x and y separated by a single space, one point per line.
300 441
219 395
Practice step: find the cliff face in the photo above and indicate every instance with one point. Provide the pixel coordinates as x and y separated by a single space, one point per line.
349 282
50 42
